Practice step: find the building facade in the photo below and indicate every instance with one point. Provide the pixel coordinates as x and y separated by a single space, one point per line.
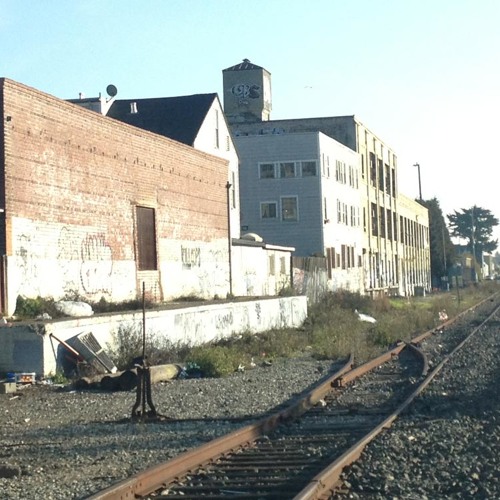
303 190
195 120
384 253
96 208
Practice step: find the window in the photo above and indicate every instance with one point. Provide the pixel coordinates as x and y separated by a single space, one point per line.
146 239
387 179
340 172
382 222
267 171
374 219
268 210
289 210
381 175
373 170
287 169
308 168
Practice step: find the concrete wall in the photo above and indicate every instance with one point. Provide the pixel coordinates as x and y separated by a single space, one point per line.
30 347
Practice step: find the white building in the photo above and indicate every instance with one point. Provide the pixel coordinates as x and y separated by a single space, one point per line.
303 190
395 246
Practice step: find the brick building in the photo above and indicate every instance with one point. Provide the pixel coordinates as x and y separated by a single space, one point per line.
94 207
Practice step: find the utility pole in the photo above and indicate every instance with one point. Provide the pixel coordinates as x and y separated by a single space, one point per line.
228 202
419 182
473 240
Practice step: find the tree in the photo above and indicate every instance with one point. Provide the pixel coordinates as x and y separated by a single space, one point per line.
441 246
475 225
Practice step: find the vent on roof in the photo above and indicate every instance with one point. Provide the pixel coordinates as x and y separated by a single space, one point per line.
133 108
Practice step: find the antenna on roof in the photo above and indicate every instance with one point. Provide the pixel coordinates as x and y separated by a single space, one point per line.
111 90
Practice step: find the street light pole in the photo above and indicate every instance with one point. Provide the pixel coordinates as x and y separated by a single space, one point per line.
474 274
419 181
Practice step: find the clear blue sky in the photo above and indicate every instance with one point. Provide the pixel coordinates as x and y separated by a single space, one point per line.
424 75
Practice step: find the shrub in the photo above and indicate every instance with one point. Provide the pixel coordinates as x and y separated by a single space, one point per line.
215 361
128 344
27 308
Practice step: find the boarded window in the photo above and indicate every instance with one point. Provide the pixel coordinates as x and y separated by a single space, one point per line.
146 239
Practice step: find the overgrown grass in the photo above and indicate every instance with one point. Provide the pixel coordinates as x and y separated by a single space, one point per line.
128 344
331 331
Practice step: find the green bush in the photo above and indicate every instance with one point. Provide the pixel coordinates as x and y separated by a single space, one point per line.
28 308
215 361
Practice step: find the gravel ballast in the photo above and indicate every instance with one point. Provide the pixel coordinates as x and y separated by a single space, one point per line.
65 444
447 446
70 444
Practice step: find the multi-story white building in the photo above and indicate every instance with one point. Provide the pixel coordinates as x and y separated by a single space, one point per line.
392 262
303 190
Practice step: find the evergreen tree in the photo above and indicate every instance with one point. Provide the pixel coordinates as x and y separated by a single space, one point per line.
441 246
475 225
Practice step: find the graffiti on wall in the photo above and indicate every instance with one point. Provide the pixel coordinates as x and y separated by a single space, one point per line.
214 274
191 257
244 91
224 321
93 258
96 264
27 259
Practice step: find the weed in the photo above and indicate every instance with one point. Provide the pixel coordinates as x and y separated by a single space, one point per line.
58 378
128 345
28 308
215 361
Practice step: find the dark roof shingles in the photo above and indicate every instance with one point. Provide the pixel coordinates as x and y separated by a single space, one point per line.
178 118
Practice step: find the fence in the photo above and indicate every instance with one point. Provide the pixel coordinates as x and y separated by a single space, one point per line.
309 277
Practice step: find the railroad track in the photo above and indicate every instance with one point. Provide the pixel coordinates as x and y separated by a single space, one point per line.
300 452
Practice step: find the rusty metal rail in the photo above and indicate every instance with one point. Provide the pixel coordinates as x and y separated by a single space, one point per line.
323 484
158 477
154 477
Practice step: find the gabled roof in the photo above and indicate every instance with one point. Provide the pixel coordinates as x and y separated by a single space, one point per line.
246 64
178 118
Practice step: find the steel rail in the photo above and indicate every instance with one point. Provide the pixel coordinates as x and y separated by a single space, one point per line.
155 477
325 481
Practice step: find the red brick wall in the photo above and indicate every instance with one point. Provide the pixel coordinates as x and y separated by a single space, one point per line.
64 164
